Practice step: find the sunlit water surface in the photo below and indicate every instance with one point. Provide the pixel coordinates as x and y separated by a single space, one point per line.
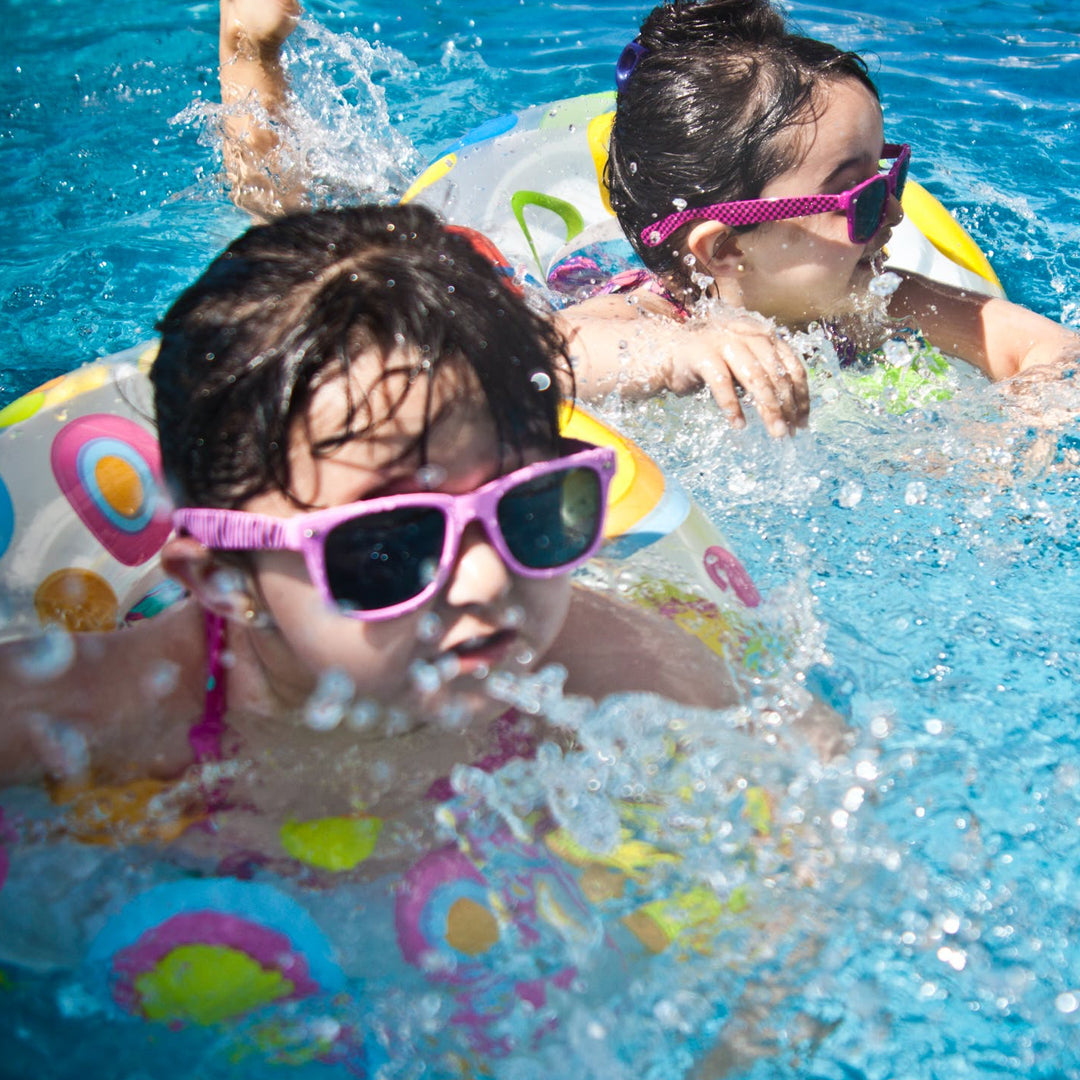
923 920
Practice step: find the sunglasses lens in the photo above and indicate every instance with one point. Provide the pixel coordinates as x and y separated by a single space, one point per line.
868 210
901 176
380 560
552 521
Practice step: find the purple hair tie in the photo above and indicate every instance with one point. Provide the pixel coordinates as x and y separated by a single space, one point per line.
629 59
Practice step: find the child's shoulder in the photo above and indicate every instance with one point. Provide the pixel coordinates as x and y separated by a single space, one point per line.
114 702
609 646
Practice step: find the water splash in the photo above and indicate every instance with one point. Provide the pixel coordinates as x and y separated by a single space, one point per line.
337 132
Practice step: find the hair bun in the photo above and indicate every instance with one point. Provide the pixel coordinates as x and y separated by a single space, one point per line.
711 21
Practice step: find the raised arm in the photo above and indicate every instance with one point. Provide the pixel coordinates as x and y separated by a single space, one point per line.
1001 339
632 345
250 37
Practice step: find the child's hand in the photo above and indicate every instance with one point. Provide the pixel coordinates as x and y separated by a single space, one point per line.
743 352
633 346
257 27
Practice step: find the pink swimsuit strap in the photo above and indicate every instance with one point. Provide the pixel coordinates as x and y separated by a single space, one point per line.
629 280
509 741
206 736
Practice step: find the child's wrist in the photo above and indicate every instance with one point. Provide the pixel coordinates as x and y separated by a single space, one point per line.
239 46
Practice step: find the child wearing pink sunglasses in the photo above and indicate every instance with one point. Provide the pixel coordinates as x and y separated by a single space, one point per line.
377 518
359 424
748 164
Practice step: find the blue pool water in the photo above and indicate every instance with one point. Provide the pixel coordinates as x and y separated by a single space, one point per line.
927 561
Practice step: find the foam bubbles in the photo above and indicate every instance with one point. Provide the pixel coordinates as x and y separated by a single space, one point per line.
329 701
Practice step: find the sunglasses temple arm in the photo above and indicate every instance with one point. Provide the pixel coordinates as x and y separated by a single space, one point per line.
228 530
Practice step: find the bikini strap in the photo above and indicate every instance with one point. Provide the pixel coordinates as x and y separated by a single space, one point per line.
629 280
206 736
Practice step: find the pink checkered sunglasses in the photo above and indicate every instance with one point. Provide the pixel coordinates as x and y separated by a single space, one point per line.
866 205
384 557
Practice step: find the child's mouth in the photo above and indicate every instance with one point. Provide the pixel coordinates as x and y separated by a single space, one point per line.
486 650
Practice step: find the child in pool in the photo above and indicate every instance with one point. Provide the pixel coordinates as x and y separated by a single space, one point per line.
338 392
746 349
721 108
720 103
369 368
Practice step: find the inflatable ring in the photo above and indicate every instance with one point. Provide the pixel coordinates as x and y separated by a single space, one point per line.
533 181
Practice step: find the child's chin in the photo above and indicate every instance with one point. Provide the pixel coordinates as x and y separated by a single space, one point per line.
461 706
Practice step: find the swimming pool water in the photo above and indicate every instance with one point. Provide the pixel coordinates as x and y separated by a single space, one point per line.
929 559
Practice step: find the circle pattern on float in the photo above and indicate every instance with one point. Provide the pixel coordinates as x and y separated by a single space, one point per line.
78 600
204 950
7 518
118 481
444 909
109 469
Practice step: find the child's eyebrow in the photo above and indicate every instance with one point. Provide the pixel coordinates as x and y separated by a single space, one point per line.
852 162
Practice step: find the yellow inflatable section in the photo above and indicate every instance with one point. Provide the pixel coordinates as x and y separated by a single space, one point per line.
947 235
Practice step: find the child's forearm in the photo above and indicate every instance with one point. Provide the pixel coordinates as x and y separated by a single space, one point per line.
624 347
1000 338
251 33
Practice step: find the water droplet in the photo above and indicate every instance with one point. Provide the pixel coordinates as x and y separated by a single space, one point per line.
430 477
851 493
915 493
47 656
162 679
425 677
898 353
62 748
448 667
225 584
428 627
363 715
678 203
884 285
541 380
853 799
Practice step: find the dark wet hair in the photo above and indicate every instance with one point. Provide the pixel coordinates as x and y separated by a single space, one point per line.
706 114
290 305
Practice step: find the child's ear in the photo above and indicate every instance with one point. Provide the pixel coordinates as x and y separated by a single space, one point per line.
715 248
218 587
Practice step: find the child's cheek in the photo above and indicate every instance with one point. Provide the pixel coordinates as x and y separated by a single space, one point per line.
546 611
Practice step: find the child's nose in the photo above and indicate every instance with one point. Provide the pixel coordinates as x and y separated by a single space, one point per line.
894 212
478 576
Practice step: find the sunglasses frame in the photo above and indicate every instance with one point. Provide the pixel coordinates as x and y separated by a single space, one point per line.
755 211
239 530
